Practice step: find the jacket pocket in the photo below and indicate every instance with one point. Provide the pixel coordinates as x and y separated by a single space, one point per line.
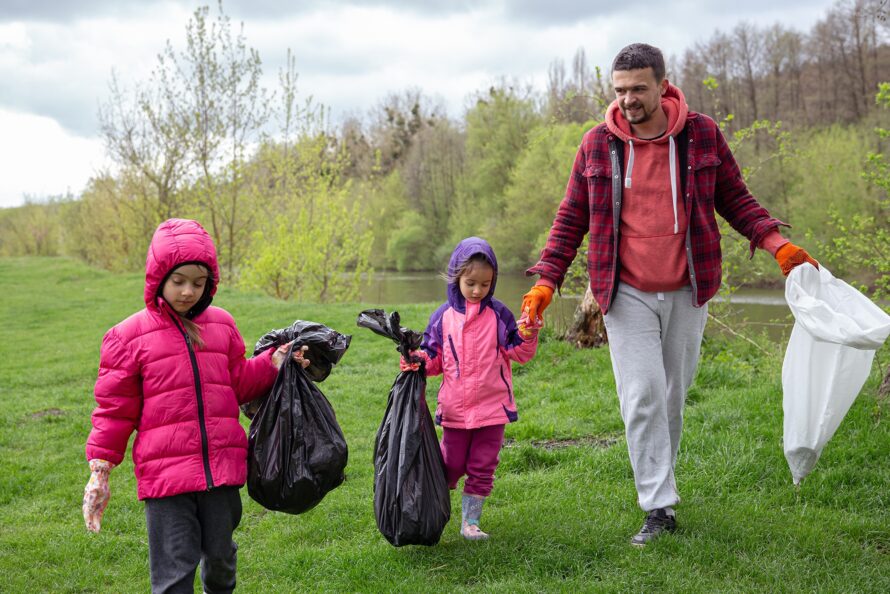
599 186
704 169
506 384
454 354
706 160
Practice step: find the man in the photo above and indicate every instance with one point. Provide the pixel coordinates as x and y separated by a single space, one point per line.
646 184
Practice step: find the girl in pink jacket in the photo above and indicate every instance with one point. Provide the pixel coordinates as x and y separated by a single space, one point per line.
175 373
471 340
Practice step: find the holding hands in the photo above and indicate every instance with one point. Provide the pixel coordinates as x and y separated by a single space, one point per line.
536 301
528 329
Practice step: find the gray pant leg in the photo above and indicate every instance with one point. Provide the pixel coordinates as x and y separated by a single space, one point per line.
219 514
174 543
186 529
654 341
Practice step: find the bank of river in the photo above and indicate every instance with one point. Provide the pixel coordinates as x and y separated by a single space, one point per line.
758 308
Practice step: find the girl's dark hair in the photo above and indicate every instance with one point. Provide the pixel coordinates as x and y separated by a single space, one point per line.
637 56
452 276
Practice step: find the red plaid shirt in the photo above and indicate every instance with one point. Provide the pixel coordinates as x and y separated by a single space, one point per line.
592 203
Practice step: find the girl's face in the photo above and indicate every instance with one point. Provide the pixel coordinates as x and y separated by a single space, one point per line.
185 286
475 283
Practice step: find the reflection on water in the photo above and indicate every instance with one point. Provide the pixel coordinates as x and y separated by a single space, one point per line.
759 308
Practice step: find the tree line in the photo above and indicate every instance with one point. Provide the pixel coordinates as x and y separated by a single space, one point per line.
301 207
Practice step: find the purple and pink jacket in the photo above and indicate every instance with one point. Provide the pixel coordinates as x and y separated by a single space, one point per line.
472 346
181 400
710 181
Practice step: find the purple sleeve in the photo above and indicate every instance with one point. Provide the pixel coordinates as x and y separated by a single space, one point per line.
432 341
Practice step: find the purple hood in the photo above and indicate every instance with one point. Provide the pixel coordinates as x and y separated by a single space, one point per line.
465 250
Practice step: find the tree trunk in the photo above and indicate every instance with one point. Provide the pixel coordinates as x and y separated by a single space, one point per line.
587 329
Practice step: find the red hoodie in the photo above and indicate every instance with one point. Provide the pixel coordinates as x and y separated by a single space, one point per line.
652 236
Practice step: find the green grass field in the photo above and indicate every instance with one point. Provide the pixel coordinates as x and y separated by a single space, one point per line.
562 510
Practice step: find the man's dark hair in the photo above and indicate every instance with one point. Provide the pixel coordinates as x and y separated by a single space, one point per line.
640 55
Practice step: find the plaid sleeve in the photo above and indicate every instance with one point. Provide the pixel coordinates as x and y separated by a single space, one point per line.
734 202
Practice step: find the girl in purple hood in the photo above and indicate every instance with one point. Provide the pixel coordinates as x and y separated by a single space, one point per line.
471 340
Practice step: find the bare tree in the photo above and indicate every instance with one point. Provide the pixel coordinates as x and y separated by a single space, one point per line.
747 49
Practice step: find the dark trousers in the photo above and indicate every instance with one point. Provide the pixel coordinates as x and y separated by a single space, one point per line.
186 529
472 452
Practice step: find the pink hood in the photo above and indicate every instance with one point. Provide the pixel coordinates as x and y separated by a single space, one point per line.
177 242
182 401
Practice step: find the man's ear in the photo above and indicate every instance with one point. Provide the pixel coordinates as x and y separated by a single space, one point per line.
664 85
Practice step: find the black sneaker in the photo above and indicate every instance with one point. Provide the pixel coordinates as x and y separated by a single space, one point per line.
657 522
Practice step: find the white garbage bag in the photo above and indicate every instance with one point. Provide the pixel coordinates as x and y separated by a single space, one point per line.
836 332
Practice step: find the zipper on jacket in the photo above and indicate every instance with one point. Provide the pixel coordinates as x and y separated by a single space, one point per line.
205 449
454 354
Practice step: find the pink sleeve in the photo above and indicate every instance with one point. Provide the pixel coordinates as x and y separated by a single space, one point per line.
118 395
433 364
772 241
251 378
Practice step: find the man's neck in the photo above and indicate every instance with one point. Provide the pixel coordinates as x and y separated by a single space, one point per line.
653 127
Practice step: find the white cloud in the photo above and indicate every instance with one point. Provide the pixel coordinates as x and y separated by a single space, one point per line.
41 159
56 58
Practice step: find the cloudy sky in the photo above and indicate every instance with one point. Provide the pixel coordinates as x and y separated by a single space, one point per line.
57 56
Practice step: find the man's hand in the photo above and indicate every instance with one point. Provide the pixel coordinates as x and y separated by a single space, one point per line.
96 494
536 301
789 256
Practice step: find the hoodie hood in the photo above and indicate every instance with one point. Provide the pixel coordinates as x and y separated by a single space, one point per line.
465 250
177 242
674 104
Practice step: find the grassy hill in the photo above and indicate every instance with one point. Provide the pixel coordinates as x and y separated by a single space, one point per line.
562 510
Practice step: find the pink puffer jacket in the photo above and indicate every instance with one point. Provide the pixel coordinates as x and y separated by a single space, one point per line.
182 400
472 346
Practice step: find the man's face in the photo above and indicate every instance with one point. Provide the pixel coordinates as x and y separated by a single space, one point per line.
638 94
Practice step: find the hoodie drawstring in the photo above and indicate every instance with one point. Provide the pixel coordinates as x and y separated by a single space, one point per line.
672 153
630 164
672 149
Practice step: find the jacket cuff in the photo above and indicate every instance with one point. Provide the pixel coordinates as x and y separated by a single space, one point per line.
772 241
765 228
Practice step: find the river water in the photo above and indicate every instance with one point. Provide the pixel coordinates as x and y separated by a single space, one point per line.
759 309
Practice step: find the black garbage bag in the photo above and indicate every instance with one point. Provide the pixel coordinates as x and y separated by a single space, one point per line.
296 449
325 347
411 501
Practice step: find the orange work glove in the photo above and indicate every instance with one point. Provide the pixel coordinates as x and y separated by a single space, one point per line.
96 494
536 301
790 256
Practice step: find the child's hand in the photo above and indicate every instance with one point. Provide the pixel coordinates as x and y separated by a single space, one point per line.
96 494
528 329
281 352
412 366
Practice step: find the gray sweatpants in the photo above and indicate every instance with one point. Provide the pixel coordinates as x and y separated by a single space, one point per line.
654 340
188 528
